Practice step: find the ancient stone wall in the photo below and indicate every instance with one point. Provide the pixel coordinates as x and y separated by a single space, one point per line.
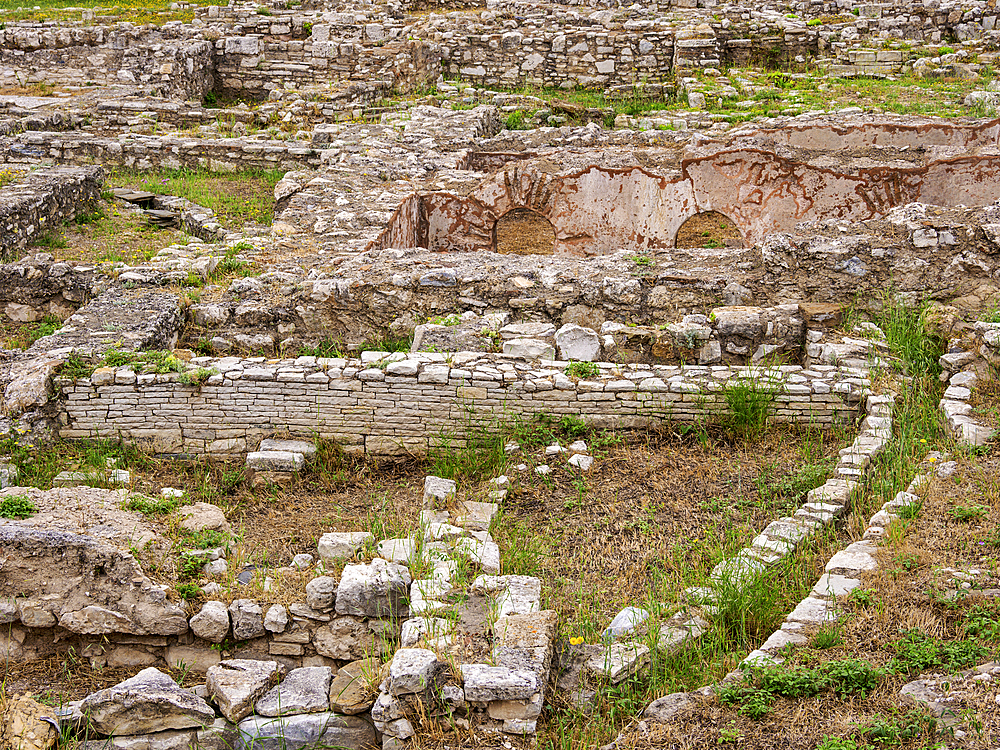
42 199
402 403
34 287
254 66
150 152
90 56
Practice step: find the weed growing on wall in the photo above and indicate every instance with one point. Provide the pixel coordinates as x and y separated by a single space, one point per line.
751 401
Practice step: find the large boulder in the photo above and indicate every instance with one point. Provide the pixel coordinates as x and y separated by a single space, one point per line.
149 702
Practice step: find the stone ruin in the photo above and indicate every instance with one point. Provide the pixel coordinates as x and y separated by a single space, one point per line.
506 254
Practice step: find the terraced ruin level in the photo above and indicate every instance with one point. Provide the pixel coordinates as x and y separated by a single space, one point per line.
420 375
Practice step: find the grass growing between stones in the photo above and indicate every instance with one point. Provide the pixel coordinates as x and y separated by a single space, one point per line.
22 335
237 198
110 233
929 608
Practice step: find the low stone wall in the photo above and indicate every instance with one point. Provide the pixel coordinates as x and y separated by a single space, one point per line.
43 198
151 152
402 403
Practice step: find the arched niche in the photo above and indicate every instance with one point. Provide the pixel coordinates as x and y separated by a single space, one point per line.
522 231
708 229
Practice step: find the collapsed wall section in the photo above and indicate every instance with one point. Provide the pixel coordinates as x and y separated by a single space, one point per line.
402 404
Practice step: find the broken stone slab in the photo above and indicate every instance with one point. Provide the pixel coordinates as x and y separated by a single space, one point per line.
618 661
304 690
8 475
413 671
398 550
149 702
625 622
377 589
581 461
236 684
483 683
833 491
831 584
305 447
276 619
485 554
305 731
477 516
578 343
275 461
25 726
84 583
75 479
528 348
321 592
211 622
354 688
511 594
853 559
666 708
417 628
337 545
813 610
439 492
348 639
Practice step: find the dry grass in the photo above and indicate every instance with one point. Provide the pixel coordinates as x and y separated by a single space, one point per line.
908 592
652 515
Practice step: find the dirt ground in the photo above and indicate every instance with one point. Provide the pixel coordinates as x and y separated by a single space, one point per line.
524 232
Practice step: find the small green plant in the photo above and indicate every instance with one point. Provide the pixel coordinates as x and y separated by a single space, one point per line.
17 507
445 320
189 591
967 513
910 725
582 370
750 401
983 621
862 597
150 506
752 702
916 652
206 539
852 676
197 376
828 636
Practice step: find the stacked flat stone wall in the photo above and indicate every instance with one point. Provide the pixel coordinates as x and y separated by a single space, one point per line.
178 68
547 56
150 152
43 199
402 403
254 66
